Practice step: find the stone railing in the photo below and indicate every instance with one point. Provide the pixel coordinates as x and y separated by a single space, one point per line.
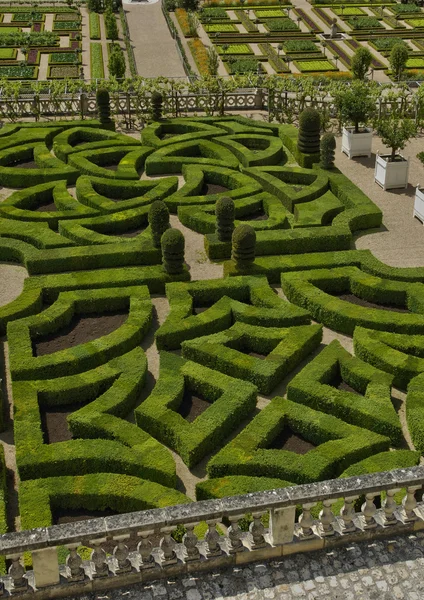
139 547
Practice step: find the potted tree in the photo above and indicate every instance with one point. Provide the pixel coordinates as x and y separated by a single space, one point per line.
356 105
391 170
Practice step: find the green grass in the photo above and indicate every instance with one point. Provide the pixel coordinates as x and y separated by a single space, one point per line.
269 13
10 29
364 23
349 11
415 22
314 66
96 61
7 53
415 63
221 27
94 26
235 49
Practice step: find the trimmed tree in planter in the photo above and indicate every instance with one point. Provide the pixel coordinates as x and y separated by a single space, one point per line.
224 211
328 146
356 105
158 220
157 102
309 131
391 170
173 245
243 246
103 106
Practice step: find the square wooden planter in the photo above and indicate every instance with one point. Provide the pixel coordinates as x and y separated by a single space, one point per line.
391 175
356 144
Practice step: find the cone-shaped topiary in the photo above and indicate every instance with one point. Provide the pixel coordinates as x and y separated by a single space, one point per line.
243 246
224 211
173 244
158 220
103 106
309 131
328 146
157 100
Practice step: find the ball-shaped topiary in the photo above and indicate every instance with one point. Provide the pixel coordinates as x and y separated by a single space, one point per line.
243 246
103 105
309 131
157 101
328 146
224 211
173 245
158 220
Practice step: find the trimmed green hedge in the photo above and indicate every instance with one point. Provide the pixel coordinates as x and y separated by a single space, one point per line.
80 139
234 485
129 161
415 411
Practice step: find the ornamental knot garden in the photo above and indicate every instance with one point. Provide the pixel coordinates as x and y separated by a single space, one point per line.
269 394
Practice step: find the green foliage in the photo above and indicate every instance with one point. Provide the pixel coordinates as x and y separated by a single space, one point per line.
224 211
96 61
327 148
158 221
361 62
103 105
281 25
173 244
111 25
156 104
364 23
309 131
300 46
94 5
243 246
116 63
213 60
356 103
395 132
398 59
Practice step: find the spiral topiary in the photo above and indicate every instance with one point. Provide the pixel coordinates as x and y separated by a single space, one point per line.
224 211
309 131
157 101
158 220
327 147
243 246
173 244
103 106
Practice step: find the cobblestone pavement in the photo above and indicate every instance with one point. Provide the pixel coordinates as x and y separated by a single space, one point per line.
391 569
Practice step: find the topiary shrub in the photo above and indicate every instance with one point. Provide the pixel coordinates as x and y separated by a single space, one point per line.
103 106
158 220
243 246
173 243
327 147
157 101
224 211
309 131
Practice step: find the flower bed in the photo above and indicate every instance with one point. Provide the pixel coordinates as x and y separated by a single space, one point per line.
242 65
310 23
348 11
69 16
385 44
28 16
237 3
94 23
220 27
281 25
63 58
337 50
18 72
96 61
402 9
63 72
376 64
314 66
200 55
269 13
235 49
66 25
33 57
37 27
213 13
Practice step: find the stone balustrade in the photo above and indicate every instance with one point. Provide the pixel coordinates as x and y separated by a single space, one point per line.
140 546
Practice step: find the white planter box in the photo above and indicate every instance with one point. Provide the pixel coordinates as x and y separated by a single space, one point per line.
391 174
356 144
419 204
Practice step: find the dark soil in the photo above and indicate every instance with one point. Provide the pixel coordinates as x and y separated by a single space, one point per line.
167 136
256 355
360 302
28 164
129 233
193 405
212 188
112 167
292 442
69 515
50 207
345 387
258 216
79 331
197 310
54 423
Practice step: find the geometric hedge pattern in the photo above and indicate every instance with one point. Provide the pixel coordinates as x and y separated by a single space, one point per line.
77 219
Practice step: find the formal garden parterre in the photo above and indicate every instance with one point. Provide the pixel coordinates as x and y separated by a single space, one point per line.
87 213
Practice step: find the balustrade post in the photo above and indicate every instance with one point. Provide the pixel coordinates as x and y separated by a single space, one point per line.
257 531
45 566
167 546
306 521
190 542
120 553
389 507
211 538
74 564
348 513
17 573
235 533
409 504
368 510
99 559
281 525
326 518
145 548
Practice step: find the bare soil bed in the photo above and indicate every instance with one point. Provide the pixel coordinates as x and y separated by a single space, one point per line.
193 405
361 302
292 442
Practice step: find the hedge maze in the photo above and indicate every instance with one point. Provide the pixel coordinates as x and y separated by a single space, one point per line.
246 390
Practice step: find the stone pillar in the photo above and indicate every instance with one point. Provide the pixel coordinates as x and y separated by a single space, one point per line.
281 525
46 567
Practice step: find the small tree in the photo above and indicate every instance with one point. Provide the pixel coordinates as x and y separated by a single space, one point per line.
158 218
116 62
328 146
356 103
361 62
243 246
189 5
213 60
103 106
111 26
398 60
173 245
309 131
224 211
193 24
157 101
395 132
